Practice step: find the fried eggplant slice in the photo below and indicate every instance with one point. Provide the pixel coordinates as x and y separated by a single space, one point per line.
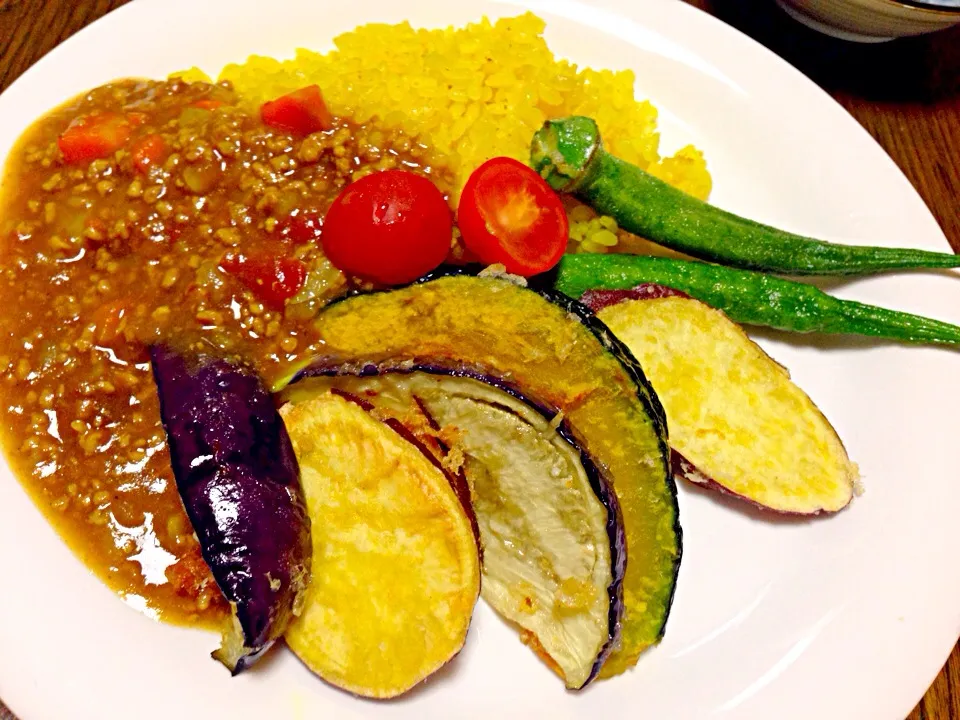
239 482
553 545
552 351
738 423
396 570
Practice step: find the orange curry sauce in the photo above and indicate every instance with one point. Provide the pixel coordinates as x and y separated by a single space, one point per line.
102 257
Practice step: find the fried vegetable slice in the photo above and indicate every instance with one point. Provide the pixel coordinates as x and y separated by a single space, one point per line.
239 482
553 546
738 423
396 573
555 353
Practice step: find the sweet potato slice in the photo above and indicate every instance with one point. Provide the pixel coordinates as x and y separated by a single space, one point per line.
396 571
737 421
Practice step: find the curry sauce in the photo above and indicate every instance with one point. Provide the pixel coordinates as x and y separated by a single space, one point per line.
188 230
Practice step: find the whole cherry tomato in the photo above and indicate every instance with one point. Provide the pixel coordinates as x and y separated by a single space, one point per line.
390 227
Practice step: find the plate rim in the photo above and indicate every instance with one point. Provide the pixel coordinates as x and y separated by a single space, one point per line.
718 26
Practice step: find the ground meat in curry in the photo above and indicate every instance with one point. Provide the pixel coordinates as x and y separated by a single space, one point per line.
100 258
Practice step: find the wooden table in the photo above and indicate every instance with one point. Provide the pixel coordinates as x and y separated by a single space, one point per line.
906 93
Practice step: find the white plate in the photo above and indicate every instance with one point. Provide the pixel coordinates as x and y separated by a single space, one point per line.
849 617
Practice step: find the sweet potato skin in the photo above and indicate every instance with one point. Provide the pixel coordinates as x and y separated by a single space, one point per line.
686 470
597 300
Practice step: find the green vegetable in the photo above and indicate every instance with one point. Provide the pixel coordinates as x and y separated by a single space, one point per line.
190 116
569 155
750 297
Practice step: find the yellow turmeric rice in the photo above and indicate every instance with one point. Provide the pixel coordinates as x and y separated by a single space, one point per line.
473 93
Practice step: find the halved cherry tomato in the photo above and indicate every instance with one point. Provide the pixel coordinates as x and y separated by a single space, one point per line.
147 151
93 136
272 279
390 227
509 215
302 112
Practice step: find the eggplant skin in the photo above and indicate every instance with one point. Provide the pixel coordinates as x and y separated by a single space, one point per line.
239 481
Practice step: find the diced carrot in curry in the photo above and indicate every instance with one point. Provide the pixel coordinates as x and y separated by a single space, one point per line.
93 136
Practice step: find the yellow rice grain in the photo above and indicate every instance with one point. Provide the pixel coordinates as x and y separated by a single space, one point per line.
472 93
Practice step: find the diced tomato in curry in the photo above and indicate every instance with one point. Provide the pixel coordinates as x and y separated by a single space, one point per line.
304 227
302 111
273 279
208 104
148 150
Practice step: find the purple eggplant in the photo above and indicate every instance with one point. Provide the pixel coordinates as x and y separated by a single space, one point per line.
239 482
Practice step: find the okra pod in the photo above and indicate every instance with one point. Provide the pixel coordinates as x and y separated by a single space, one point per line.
569 155
750 297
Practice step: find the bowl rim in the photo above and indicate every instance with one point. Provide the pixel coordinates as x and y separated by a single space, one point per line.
926 7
